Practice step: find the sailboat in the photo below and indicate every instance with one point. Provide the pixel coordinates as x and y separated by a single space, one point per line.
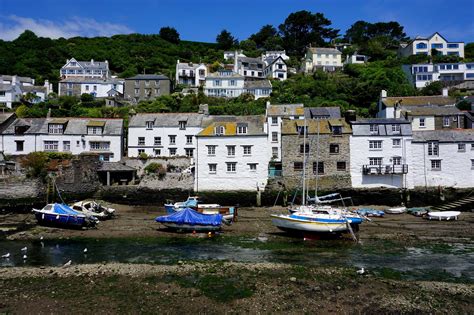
316 218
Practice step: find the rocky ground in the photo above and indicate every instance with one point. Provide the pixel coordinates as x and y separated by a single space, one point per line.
229 287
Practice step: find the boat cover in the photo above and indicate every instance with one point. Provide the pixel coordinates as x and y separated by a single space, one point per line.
191 203
64 209
191 217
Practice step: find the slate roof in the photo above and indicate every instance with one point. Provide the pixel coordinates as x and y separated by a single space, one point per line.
92 80
448 135
188 66
18 78
324 50
286 110
96 65
257 84
166 119
148 77
418 100
324 112
74 126
468 85
432 111
27 89
229 74
5 116
115 167
380 121
6 87
290 127
254 125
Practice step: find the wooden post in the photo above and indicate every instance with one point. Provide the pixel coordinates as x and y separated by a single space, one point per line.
108 178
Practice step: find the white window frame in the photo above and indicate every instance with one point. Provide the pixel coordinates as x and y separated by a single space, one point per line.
252 167
375 161
422 122
461 147
212 168
434 166
446 121
141 141
275 137
172 139
247 149
231 150
231 167
395 141
375 145
51 145
211 150
157 141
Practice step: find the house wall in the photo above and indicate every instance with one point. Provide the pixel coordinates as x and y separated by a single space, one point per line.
456 167
163 87
102 88
224 89
455 121
429 123
412 49
243 178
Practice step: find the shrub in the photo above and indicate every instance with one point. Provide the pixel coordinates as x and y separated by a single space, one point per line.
59 155
35 164
156 168
143 156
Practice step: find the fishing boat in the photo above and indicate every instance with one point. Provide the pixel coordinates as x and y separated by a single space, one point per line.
368 212
63 215
188 219
443 215
229 213
90 207
396 210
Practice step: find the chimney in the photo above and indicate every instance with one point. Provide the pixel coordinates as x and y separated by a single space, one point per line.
268 104
14 77
48 115
203 109
350 116
383 94
236 62
445 92
92 61
177 61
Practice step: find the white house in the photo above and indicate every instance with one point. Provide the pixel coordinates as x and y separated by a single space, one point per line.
420 75
443 158
231 54
97 87
275 68
425 45
227 83
13 87
86 69
190 74
232 154
356 59
250 67
380 153
273 54
9 94
72 135
327 59
163 134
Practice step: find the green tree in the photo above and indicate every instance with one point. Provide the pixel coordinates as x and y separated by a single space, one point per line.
434 88
469 51
266 33
225 40
170 34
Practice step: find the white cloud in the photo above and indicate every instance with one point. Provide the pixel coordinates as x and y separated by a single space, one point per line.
13 25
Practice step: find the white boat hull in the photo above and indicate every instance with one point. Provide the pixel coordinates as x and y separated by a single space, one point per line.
398 210
286 223
444 215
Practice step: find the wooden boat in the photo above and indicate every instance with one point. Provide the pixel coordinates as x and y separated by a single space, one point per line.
443 215
396 210
63 215
90 207
188 219
229 213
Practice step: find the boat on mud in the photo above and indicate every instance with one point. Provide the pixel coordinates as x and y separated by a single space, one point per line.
63 216
229 213
443 215
190 220
368 212
396 210
418 212
93 208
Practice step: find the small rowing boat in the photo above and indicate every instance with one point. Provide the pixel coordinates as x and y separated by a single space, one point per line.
443 215
396 210
368 212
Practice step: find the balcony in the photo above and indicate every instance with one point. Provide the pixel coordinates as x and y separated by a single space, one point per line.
274 173
384 169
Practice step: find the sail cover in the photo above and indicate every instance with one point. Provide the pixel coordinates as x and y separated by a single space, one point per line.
191 217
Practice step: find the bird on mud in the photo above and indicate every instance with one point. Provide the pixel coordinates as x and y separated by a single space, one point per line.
67 264
7 255
24 249
85 251
24 257
361 271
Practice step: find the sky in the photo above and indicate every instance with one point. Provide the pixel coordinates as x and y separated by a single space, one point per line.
202 20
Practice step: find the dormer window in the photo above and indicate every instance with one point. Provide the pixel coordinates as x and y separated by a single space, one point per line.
92 130
241 129
182 125
220 130
374 128
56 128
149 124
336 130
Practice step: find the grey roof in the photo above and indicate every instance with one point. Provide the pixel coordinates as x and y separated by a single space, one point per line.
362 127
468 85
379 121
188 66
451 135
5 116
322 112
148 77
27 88
74 126
92 80
95 65
250 60
5 87
432 111
18 78
115 167
285 110
166 119
324 50
229 74
257 84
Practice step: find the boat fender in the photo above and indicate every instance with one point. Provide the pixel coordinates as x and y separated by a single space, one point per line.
57 217
42 217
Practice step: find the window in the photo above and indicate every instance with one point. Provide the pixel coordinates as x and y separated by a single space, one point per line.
232 83
149 124
396 143
435 46
472 164
446 121
51 145
375 144
172 140
182 125
141 140
241 129
304 148
247 150
436 165
376 161
157 152
396 129
433 148
461 147
87 88
422 122
275 152
95 87
140 151
274 121
334 148
472 146
341 166
374 128
157 141
211 150
253 167
94 130
20 145
172 151
189 139
55 128
99 145
137 91
78 143
453 45
336 130
318 167
217 82
421 46
231 150
274 136
220 130
66 145
298 166
189 152
231 167
212 168
396 160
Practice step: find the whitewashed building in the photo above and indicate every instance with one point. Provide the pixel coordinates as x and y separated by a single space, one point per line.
356 59
163 134
71 135
425 45
443 158
326 59
97 87
227 83
420 75
232 154
276 68
380 151
190 74
13 88
231 54
85 69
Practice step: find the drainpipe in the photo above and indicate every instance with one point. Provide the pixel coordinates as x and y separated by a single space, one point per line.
196 177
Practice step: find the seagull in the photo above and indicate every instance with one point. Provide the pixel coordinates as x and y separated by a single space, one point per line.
41 238
24 249
7 255
85 250
67 264
24 257
361 271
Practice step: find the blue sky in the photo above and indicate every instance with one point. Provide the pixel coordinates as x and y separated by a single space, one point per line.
202 20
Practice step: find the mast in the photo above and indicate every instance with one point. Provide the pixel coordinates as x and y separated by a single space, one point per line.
304 163
317 164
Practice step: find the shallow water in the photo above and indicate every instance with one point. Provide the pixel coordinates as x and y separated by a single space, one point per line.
450 262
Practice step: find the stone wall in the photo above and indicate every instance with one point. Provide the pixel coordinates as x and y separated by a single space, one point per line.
177 163
19 190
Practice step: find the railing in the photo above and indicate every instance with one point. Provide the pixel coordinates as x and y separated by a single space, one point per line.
274 173
384 169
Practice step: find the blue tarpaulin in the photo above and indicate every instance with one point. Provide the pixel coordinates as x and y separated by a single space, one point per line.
191 217
64 209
